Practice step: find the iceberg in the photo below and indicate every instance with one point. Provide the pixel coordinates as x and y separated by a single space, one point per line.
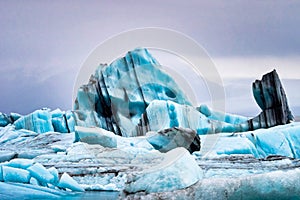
172 138
20 163
122 97
4 120
178 170
63 122
39 121
41 174
7 155
133 130
270 96
11 174
8 119
161 115
117 94
280 140
67 182
45 120
8 191
53 171
272 185
220 116
95 136
25 171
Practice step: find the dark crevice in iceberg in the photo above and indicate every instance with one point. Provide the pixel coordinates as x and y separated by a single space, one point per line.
137 80
103 107
143 125
66 123
8 119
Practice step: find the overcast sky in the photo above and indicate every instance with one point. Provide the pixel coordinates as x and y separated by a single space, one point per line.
44 43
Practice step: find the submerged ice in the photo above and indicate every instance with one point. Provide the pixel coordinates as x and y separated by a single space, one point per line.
135 131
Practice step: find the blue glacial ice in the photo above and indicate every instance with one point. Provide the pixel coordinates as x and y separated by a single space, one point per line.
89 161
126 134
95 136
41 174
4 119
45 120
119 93
27 191
26 171
62 122
221 116
172 138
54 172
39 121
271 185
20 163
120 96
68 182
280 140
11 174
164 114
178 170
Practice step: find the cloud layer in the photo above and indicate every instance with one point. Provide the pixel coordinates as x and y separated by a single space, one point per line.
44 43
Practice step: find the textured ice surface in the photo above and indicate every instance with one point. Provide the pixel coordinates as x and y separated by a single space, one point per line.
20 163
24 171
62 122
178 170
41 174
11 174
28 144
39 121
172 138
53 171
280 140
25 191
220 116
4 120
67 182
118 94
270 96
131 97
6 155
165 114
42 121
95 136
95 167
272 185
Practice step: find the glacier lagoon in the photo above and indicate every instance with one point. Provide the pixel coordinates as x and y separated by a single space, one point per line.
135 133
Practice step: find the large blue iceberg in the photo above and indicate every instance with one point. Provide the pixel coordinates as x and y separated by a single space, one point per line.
134 130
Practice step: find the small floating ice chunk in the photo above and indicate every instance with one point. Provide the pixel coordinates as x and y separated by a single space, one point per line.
58 148
177 171
11 174
68 182
54 173
33 181
39 172
6 155
1 173
220 116
96 136
39 121
20 163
